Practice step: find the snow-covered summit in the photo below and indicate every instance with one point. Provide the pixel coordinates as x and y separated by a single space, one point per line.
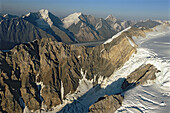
45 15
115 36
41 18
111 18
72 18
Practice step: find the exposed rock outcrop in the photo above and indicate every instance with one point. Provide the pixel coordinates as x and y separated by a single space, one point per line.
140 76
109 104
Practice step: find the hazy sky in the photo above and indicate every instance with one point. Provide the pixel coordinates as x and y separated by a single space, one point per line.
124 9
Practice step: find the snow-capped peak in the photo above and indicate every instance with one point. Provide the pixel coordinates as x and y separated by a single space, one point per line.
110 17
72 18
44 12
28 14
45 16
5 15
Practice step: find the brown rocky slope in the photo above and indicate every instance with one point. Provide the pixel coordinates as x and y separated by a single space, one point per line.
53 64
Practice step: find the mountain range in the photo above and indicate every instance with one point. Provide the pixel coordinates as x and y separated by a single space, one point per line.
43 70
75 28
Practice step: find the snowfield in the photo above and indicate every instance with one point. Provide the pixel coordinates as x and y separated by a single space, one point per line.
151 97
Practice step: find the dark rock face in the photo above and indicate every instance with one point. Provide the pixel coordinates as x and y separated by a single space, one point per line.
109 104
7 16
54 65
140 76
16 31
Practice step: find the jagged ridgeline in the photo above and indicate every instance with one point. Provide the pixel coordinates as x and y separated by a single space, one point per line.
42 72
43 68
74 28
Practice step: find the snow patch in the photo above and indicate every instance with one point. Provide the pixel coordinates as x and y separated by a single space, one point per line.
102 50
28 14
26 110
99 25
115 36
62 90
132 44
17 24
5 15
40 86
45 15
71 19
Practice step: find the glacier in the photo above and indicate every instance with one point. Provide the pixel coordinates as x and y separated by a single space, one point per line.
155 96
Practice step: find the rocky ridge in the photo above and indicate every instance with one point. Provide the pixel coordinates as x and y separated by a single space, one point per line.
14 31
74 28
32 71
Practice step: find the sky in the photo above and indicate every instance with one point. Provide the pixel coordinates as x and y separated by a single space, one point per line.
123 9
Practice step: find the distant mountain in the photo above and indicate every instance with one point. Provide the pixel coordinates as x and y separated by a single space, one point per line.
79 25
117 24
147 24
16 31
74 28
104 28
51 24
89 28
7 16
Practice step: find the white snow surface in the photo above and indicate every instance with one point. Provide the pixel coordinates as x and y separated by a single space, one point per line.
151 97
72 18
132 44
62 90
45 15
115 36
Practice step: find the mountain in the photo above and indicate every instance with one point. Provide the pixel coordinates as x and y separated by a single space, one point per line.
39 74
104 28
89 28
117 24
74 28
7 16
51 24
78 24
147 24
14 31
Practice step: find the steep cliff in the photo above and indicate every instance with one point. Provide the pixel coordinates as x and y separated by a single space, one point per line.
42 72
